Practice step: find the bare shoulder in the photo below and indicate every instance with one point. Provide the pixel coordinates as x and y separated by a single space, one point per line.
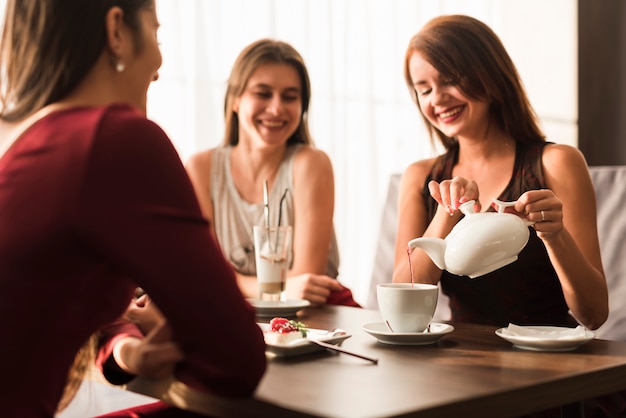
560 160
417 172
199 164
566 173
561 152
309 159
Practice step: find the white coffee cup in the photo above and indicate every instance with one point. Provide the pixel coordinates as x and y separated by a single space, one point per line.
407 307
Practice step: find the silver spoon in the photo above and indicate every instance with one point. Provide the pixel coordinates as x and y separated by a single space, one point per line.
388 326
426 330
335 333
334 347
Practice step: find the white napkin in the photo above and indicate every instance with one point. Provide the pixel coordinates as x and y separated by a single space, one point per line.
557 333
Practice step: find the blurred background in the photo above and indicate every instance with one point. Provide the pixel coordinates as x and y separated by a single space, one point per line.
361 112
570 54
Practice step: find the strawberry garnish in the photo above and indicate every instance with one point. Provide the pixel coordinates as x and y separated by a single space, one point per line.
285 326
282 326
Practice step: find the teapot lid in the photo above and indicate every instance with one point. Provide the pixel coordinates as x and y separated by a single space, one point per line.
467 207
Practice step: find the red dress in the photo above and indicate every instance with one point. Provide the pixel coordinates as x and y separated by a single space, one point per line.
94 202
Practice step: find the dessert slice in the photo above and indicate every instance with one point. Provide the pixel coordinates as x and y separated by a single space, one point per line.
283 331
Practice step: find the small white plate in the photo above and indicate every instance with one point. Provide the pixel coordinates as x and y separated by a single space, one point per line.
269 309
380 331
304 347
543 343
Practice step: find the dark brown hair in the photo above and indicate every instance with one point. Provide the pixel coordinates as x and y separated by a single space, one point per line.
469 54
48 46
261 52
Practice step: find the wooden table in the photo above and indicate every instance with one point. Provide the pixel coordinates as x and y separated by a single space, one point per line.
469 372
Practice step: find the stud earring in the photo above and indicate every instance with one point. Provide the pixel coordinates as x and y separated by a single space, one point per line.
120 66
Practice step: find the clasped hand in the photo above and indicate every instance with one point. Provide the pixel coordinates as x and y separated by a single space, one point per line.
316 288
154 356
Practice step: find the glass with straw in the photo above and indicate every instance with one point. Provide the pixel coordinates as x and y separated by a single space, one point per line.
272 248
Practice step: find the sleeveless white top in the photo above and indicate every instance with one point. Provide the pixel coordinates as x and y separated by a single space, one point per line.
233 217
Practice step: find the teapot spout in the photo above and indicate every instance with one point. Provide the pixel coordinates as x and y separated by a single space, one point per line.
434 247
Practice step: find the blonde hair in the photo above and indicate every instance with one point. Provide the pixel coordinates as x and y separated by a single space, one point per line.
261 52
83 362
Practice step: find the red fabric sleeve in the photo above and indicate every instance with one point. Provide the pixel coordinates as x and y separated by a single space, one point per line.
139 207
342 297
153 410
108 337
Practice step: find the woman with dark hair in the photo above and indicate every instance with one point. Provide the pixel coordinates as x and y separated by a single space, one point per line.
472 99
267 138
84 220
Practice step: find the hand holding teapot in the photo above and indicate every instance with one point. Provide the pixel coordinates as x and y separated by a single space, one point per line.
479 243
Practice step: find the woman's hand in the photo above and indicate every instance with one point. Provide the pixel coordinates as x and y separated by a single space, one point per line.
544 209
144 313
313 287
154 356
451 194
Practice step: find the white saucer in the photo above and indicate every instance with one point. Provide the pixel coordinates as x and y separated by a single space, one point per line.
542 343
287 308
380 331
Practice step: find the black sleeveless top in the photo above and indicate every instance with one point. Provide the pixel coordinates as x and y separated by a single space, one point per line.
526 292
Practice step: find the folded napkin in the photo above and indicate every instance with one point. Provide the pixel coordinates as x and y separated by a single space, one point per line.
551 333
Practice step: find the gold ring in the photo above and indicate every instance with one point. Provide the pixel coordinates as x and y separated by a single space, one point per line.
543 218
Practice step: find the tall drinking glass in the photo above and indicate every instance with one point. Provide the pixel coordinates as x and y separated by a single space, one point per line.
272 247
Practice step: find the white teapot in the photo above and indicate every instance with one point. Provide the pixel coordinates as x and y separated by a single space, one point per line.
479 243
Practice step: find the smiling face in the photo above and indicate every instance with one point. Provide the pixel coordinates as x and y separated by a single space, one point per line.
270 108
444 105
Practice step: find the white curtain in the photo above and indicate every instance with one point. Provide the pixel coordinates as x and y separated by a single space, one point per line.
361 112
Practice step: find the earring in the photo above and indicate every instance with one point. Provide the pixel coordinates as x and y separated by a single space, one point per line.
120 66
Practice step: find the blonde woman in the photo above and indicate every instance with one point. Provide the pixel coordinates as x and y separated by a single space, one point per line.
267 139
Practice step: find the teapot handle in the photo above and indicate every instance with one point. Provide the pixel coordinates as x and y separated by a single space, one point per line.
502 205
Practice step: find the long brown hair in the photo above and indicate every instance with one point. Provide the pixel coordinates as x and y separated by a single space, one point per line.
265 51
48 46
469 54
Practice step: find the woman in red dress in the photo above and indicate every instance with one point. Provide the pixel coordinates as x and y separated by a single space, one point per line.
94 201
